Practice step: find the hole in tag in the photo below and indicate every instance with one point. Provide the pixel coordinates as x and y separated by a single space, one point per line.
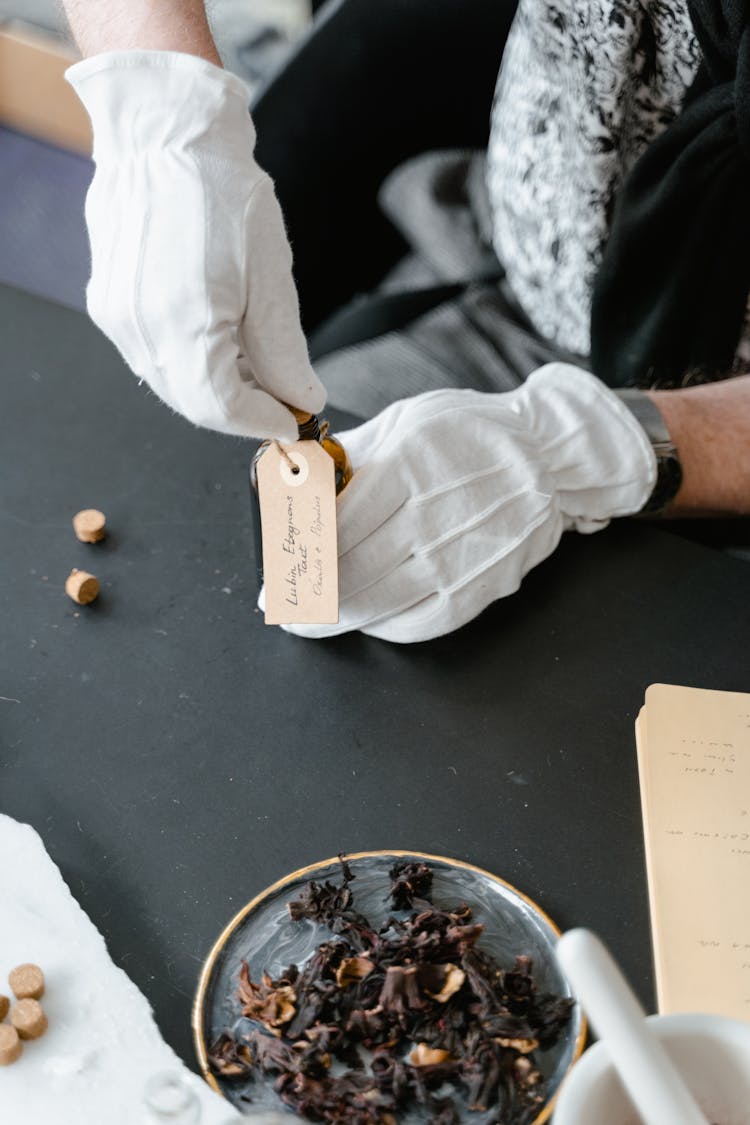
298 473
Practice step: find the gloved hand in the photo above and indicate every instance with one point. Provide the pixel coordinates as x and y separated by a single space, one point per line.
456 495
191 268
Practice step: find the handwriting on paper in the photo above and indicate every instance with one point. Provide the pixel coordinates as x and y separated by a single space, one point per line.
296 488
694 765
307 556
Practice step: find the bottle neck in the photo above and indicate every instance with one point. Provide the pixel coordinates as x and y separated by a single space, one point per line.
308 427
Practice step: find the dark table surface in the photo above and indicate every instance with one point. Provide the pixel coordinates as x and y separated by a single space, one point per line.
177 756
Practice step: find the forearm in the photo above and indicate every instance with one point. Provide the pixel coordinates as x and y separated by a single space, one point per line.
158 25
710 425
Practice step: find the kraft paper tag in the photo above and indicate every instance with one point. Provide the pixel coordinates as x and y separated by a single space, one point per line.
298 524
694 765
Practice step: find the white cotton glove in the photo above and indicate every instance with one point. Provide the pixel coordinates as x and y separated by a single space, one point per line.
191 268
457 495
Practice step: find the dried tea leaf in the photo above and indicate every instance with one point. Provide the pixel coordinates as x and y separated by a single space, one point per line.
353 969
400 990
422 1055
419 984
271 1002
523 1046
452 981
230 1058
409 881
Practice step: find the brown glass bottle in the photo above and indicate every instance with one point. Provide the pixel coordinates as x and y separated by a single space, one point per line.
308 429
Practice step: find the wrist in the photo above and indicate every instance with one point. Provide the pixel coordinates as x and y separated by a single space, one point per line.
100 25
710 425
668 465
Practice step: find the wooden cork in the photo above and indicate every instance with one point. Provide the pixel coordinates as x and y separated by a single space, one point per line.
81 586
89 525
28 1018
10 1045
27 982
4 1005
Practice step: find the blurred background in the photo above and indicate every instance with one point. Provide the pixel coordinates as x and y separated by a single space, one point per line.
45 142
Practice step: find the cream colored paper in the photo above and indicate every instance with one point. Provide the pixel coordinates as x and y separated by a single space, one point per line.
694 764
298 524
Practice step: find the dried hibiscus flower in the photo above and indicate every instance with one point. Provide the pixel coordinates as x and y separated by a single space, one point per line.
437 1012
409 881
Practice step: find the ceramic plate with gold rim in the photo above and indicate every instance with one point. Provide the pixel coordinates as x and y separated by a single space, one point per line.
263 935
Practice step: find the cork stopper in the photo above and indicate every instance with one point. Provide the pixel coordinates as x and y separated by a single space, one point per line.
28 1018
10 1045
81 586
89 525
4 1005
27 982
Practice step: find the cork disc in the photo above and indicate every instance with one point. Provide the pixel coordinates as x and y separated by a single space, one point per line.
28 1018
4 1005
82 587
27 982
89 525
10 1045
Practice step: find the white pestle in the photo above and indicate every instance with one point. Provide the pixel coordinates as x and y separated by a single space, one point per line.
650 1077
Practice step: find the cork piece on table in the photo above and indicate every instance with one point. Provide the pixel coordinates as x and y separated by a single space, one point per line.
90 525
4 1005
81 586
10 1045
27 982
28 1018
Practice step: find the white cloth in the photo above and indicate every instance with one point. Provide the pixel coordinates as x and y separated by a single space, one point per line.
191 268
102 1045
456 495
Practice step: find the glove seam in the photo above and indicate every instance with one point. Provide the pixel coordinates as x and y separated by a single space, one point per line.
244 281
137 303
221 403
481 519
508 549
218 400
466 579
460 482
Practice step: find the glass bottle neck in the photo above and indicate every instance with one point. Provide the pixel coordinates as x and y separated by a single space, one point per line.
308 427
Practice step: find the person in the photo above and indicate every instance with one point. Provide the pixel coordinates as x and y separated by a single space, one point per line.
458 491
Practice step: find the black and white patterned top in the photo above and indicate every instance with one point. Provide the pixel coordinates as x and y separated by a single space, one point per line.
584 87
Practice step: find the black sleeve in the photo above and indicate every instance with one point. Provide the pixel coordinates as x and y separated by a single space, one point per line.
375 82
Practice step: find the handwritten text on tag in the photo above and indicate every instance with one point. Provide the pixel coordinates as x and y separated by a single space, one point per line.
298 523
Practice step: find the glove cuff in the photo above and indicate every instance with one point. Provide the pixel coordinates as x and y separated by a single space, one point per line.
140 100
602 461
